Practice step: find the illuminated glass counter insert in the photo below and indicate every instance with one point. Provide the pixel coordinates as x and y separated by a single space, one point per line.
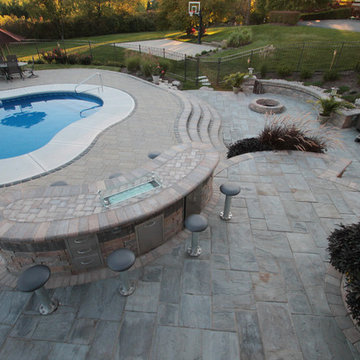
131 192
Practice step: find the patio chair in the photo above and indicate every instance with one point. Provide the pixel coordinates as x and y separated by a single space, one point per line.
3 67
13 69
12 58
29 72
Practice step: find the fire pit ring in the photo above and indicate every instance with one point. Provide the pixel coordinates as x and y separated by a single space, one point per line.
264 106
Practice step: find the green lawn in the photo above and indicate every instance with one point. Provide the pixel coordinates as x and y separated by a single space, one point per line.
280 36
287 40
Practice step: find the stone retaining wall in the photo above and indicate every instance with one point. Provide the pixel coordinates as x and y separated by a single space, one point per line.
343 118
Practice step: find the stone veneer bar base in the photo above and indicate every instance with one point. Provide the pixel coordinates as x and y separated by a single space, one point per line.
68 229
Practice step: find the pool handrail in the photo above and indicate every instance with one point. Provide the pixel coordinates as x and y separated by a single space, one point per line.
88 78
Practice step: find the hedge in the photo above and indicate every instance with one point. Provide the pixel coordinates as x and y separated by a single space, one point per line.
343 13
79 26
284 17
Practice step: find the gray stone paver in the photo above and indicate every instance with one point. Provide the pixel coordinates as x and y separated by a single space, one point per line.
259 291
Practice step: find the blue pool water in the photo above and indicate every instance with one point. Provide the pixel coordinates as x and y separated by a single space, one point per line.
29 122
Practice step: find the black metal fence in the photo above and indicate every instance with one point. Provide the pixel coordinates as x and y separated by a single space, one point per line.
311 56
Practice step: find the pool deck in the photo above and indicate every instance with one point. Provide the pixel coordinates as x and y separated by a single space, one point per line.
72 141
262 288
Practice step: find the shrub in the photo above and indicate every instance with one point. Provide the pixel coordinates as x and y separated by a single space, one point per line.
257 17
351 97
263 70
147 67
343 89
133 63
73 59
343 13
331 75
306 74
284 17
284 71
286 133
48 56
357 67
240 37
245 146
328 105
60 56
164 64
344 250
38 61
235 80
85 59
281 134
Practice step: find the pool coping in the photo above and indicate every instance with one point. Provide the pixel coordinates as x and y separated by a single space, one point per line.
73 140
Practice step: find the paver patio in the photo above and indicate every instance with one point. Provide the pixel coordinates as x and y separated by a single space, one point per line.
261 288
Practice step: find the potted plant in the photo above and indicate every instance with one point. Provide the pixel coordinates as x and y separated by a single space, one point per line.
235 80
328 106
157 72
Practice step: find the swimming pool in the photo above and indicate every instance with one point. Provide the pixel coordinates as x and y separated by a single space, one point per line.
69 142
29 122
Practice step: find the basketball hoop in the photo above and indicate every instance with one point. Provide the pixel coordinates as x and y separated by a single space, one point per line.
194 8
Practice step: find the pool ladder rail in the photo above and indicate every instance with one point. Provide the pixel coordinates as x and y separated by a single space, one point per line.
101 86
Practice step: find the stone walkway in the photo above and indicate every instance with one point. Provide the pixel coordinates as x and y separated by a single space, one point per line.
262 288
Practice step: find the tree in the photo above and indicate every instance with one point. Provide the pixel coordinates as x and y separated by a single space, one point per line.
174 13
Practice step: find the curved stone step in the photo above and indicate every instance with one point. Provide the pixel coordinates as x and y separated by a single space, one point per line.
203 126
195 120
181 126
215 130
199 122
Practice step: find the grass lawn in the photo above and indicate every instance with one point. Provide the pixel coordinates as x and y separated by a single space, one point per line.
287 40
81 45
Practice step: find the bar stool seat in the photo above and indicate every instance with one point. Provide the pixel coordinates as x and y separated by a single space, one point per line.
196 223
34 279
120 261
153 154
230 189
59 183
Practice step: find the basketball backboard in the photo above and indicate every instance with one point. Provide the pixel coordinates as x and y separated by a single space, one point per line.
194 8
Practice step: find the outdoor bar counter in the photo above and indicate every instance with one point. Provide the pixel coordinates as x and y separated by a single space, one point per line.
73 229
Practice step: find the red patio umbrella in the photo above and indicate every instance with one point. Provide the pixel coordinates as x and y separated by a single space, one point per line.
7 37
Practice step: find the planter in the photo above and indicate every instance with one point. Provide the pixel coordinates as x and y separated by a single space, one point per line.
236 90
156 79
323 118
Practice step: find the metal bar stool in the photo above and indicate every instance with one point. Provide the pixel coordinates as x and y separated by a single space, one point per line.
120 261
33 279
195 223
229 190
153 154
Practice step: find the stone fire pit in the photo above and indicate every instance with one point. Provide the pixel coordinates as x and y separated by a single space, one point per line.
264 106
